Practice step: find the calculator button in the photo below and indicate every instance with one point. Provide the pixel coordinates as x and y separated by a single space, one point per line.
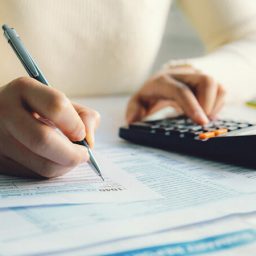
208 129
183 130
172 133
209 125
188 121
206 135
218 123
181 121
220 131
164 129
143 126
243 125
230 124
179 127
195 128
233 128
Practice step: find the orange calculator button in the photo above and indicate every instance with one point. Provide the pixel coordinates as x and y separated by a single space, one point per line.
220 131
206 135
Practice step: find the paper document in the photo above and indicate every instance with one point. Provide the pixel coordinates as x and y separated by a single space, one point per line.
192 190
81 185
228 236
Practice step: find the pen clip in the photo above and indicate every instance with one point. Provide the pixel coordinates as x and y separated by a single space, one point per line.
27 62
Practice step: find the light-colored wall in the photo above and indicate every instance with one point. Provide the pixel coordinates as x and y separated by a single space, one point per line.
180 39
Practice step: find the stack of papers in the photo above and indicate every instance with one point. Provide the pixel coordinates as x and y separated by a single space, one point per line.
227 236
147 194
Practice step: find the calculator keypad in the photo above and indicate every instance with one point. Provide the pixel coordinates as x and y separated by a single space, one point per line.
185 127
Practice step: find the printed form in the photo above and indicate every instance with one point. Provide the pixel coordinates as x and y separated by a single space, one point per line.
81 185
226 236
192 190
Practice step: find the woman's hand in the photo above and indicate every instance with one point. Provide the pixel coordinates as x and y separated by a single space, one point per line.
193 93
30 144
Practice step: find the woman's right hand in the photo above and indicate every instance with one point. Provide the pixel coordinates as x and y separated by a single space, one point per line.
30 147
185 88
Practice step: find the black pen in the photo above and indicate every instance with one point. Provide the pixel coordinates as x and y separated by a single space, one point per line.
34 72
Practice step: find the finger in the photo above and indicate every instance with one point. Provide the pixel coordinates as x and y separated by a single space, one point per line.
205 89
11 168
214 115
206 94
185 98
165 87
20 161
91 120
158 88
220 99
188 102
52 105
165 103
44 140
135 110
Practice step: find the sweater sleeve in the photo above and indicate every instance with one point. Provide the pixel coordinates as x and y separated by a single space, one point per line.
228 31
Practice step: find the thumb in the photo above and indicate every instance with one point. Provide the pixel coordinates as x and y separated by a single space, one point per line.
135 110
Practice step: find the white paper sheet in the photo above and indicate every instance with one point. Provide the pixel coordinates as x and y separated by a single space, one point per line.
224 237
81 185
192 191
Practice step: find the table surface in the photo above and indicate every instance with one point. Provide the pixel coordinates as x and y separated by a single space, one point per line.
112 110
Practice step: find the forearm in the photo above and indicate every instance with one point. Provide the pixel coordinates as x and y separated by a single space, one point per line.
227 29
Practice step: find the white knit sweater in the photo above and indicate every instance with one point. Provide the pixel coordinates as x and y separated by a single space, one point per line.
92 47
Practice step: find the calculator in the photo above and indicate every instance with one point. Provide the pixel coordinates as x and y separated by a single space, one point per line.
223 140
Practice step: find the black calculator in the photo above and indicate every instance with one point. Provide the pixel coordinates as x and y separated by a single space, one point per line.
223 140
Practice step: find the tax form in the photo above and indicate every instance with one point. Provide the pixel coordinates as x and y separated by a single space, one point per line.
81 185
192 191
226 236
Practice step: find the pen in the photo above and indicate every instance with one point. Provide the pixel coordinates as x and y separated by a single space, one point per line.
34 72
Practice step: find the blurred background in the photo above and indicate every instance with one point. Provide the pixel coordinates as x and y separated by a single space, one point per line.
180 39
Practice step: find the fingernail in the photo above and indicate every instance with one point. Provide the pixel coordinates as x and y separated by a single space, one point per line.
200 117
129 118
213 117
81 135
